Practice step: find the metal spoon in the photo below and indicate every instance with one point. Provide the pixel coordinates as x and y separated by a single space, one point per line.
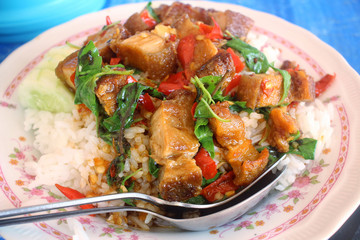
178 214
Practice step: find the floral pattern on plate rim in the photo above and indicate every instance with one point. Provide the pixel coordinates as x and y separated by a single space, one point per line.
285 201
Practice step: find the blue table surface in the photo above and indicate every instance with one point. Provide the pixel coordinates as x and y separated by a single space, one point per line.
335 22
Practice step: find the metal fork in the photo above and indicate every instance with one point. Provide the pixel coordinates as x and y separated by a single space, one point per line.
207 215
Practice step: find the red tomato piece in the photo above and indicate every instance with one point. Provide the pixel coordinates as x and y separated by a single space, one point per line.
323 84
147 19
206 164
115 61
130 79
222 185
234 83
185 50
174 82
239 65
211 32
146 102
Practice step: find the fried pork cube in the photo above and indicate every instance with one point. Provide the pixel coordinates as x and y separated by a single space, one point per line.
236 23
172 128
282 128
204 51
262 90
169 15
180 180
184 27
66 68
135 24
103 38
302 86
107 88
246 161
219 65
148 52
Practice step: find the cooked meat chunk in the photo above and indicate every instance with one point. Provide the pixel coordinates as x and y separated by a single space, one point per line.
172 128
282 126
262 90
171 14
227 133
184 27
149 53
203 52
135 24
302 86
234 22
180 180
66 68
103 38
107 88
246 161
219 65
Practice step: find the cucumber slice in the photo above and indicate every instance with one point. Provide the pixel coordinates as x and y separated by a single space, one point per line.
42 90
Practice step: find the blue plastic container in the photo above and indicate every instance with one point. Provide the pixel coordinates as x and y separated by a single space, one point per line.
22 20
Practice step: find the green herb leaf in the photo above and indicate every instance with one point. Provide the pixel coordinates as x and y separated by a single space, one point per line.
197 200
89 64
255 60
152 12
205 135
153 168
286 83
206 182
238 106
304 147
116 167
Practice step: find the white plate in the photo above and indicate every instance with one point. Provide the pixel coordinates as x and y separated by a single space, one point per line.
313 208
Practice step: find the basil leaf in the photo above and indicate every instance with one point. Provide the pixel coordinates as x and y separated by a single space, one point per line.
286 83
89 64
152 12
238 106
127 100
205 135
255 60
265 111
116 166
206 182
197 200
153 168
304 147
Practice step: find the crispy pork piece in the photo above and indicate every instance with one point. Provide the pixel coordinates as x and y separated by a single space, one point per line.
236 23
227 133
282 126
262 90
184 27
204 51
180 180
107 88
175 11
172 128
302 86
148 52
103 38
246 161
135 24
219 65
66 68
